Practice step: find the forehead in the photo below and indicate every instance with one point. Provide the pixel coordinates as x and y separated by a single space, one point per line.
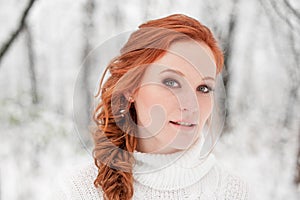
190 57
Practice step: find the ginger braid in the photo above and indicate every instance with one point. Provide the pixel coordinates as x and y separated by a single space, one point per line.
114 138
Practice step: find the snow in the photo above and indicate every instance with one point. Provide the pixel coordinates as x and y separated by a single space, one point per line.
39 141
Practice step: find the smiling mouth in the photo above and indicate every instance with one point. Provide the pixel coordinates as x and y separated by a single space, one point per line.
183 123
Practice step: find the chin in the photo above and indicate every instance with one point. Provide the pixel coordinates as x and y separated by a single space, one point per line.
183 143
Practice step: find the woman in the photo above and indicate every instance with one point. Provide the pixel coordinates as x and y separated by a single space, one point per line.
155 107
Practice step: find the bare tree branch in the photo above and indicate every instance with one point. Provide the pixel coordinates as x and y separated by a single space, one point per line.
294 11
32 71
281 15
228 41
15 34
293 72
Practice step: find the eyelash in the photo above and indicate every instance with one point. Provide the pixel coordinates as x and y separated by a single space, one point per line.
209 89
166 81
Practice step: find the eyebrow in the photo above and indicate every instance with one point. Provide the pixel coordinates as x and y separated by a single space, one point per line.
181 74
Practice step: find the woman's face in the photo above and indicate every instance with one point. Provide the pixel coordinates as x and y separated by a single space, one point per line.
175 98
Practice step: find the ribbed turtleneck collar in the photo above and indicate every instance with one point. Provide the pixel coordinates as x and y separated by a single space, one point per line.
172 171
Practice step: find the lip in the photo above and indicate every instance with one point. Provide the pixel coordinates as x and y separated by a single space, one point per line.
185 121
182 127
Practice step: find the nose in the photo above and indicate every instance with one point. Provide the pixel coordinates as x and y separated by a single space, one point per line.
188 102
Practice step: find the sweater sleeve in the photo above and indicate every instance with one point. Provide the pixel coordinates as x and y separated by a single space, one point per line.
77 185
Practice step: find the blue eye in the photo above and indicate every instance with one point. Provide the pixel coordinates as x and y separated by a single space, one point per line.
171 83
204 89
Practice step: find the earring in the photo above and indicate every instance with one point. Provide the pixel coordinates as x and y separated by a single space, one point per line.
122 112
130 99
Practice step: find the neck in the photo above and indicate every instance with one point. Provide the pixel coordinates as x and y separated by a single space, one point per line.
172 171
146 146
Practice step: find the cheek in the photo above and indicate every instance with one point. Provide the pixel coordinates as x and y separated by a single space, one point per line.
153 103
206 107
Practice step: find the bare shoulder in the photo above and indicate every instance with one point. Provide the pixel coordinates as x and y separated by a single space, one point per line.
232 186
78 183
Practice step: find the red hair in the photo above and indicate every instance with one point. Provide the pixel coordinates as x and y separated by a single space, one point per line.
114 137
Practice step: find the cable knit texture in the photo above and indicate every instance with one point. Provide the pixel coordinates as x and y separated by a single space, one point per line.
158 176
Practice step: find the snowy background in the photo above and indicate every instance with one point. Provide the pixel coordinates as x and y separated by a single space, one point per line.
40 69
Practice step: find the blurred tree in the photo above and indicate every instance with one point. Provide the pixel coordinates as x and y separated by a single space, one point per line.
88 36
146 9
289 16
227 35
15 34
31 59
117 15
297 176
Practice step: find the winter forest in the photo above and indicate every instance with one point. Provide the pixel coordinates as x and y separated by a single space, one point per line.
47 50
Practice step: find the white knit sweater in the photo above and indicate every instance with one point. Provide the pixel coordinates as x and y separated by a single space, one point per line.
158 176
